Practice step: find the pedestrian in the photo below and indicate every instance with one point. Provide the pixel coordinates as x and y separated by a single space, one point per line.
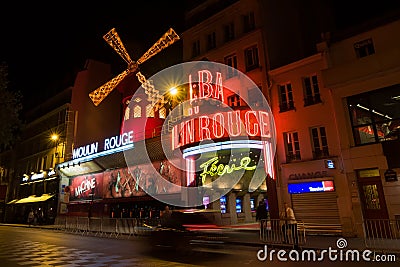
261 212
165 215
40 215
289 225
31 216
262 215
35 217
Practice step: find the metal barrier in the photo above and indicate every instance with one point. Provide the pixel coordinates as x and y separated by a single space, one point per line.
322 229
111 227
276 231
382 234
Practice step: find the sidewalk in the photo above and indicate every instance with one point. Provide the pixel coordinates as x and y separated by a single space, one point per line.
317 242
247 234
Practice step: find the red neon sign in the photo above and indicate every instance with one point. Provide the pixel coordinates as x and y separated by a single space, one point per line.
205 88
222 125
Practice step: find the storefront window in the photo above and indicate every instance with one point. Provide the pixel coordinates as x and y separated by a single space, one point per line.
222 202
252 205
239 208
375 115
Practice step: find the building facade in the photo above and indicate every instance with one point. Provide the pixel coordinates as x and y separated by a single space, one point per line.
231 32
310 171
363 77
46 141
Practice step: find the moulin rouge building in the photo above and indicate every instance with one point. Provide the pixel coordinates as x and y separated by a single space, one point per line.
201 151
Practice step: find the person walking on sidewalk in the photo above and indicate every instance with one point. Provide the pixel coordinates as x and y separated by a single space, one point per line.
31 216
289 224
262 215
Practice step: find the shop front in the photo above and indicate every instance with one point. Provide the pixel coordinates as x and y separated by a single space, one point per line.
39 193
312 189
99 185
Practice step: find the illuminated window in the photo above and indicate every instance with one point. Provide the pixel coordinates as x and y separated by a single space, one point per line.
229 32
285 97
239 207
375 116
252 205
319 142
251 58
249 23
127 111
231 61
149 111
137 111
223 205
371 197
211 41
292 146
196 48
364 48
311 90
234 100
162 113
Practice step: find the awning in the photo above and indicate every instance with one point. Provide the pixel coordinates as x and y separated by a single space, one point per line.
32 199
12 201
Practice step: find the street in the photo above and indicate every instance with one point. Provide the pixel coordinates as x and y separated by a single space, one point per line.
22 246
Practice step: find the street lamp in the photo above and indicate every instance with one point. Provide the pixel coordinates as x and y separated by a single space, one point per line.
173 91
55 137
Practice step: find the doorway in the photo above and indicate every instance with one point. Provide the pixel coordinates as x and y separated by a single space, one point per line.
375 214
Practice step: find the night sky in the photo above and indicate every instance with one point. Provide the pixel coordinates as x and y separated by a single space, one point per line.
45 45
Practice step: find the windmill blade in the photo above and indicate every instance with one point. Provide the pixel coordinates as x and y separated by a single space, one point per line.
166 40
103 91
112 38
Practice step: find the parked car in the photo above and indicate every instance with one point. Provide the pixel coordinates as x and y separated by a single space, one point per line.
187 230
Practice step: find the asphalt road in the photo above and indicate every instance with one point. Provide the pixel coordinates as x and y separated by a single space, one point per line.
42 247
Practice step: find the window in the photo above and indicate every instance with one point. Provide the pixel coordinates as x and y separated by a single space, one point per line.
137 111
254 96
234 100
52 161
44 163
251 58
231 61
162 113
211 41
239 207
319 142
285 97
229 32
364 48
292 146
311 90
249 22
149 111
127 111
252 205
196 48
222 202
375 115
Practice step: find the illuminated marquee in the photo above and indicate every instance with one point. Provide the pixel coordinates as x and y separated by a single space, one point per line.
85 186
111 143
212 168
205 88
222 124
228 128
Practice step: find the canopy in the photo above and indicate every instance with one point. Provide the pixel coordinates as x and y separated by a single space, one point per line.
32 199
